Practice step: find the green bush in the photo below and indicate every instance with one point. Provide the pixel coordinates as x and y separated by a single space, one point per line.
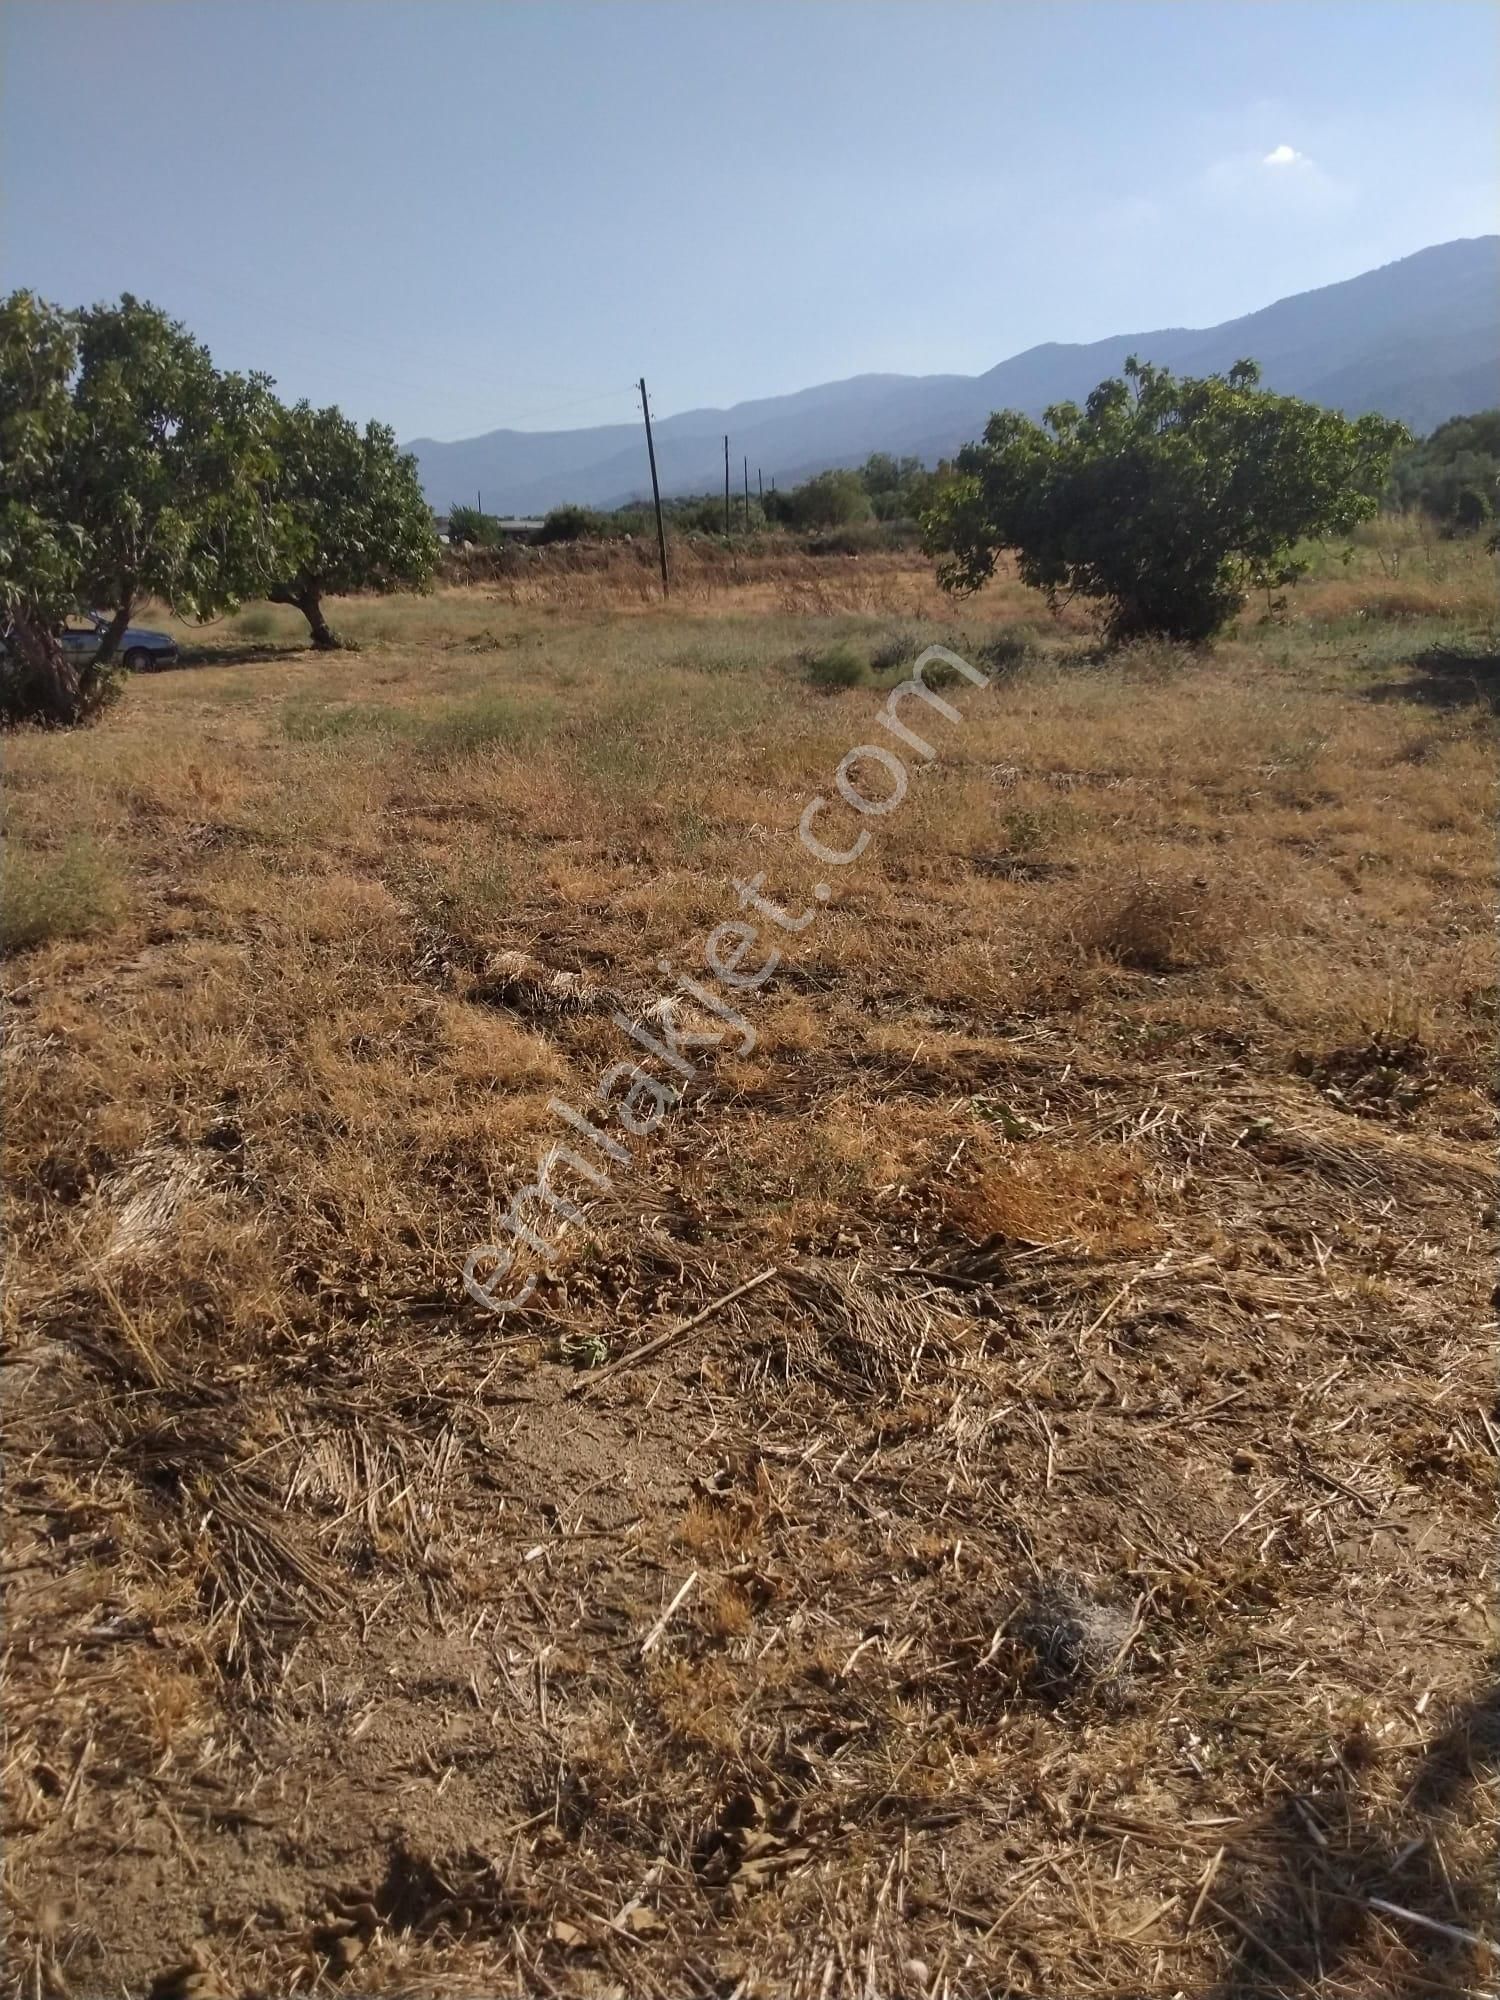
65 895
836 667
831 500
1166 500
468 528
1454 474
573 524
259 622
1472 509
706 517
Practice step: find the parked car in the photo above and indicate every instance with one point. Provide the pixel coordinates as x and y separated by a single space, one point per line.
140 650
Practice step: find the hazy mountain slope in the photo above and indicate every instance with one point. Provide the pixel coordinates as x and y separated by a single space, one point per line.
1418 339
526 471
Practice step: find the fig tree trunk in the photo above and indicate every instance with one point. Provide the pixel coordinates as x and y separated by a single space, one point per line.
114 632
38 682
308 599
323 635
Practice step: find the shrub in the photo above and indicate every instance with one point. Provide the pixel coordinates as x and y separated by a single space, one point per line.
1026 830
468 528
56 896
466 893
1471 510
892 654
1454 474
857 538
1007 649
836 667
572 524
1165 500
830 500
257 623
631 520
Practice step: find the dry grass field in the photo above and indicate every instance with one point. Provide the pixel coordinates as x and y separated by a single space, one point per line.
1064 1571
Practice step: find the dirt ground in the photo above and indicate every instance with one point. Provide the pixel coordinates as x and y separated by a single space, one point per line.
1050 1552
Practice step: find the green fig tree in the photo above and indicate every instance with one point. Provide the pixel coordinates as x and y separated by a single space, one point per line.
1165 499
171 465
351 515
43 544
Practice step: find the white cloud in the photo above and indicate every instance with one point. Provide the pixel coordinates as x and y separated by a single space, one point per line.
1281 182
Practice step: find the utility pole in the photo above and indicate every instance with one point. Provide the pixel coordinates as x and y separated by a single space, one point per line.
726 486
661 533
747 493
760 480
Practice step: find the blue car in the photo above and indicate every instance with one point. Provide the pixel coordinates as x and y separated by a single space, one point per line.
140 650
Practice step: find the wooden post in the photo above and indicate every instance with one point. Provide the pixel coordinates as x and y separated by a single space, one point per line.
726 486
760 480
661 533
747 493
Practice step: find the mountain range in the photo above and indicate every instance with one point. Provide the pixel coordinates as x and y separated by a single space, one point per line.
1418 339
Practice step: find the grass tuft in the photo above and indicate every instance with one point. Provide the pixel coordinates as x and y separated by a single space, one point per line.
307 720
68 895
488 721
836 667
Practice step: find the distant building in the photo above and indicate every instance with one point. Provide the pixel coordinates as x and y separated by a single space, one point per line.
509 527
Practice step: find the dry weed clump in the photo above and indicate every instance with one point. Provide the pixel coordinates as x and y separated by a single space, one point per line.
1160 921
1076 1643
996 1496
1039 1192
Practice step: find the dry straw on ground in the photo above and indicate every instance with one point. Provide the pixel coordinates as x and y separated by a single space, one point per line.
1049 1554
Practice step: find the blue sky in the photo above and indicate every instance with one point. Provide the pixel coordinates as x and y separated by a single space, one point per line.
460 214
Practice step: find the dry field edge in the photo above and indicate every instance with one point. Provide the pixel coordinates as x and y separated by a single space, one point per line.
1056 1559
